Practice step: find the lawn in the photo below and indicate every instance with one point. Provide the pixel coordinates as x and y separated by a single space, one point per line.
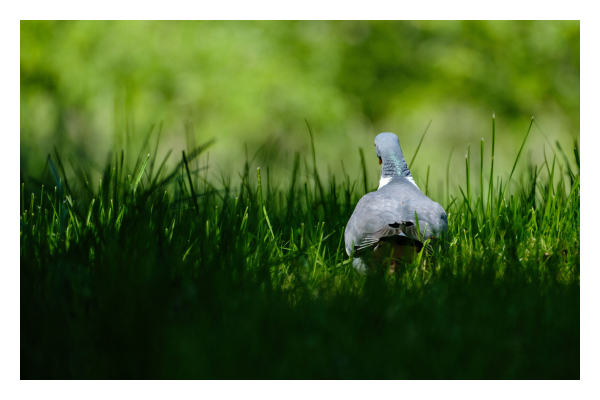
160 270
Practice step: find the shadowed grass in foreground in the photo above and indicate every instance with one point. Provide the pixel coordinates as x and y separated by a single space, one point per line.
158 274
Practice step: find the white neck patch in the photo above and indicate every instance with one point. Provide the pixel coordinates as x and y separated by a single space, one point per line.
411 180
385 181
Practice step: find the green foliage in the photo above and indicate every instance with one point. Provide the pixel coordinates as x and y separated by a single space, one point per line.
189 277
99 85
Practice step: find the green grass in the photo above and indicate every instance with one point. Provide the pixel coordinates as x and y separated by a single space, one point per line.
155 273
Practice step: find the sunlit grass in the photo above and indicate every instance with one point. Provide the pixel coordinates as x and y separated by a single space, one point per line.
156 273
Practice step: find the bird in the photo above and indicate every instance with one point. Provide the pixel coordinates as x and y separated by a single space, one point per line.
383 226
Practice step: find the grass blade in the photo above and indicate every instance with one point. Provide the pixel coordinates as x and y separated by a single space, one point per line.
139 177
520 151
363 166
419 146
187 168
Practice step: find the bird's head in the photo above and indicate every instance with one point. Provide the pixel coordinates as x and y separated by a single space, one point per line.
386 144
389 153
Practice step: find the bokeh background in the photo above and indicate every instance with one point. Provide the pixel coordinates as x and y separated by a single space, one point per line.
92 87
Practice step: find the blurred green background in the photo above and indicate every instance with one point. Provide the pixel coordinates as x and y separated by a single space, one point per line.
100 86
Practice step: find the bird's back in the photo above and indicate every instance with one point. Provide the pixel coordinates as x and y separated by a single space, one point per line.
390 211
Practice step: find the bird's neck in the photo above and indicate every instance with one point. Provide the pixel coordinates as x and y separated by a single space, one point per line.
394 165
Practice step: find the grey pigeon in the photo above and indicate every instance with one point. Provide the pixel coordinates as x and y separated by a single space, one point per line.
383 223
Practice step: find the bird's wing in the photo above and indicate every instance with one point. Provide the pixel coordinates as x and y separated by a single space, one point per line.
412 205
374 217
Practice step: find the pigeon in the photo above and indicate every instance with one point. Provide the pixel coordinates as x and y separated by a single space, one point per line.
384 222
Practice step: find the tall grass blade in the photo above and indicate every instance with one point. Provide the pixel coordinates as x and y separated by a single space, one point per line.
427 182
481 191
194 198
139 177
448 177
419 145
314 157
520 151
363 167
468 173
491 185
